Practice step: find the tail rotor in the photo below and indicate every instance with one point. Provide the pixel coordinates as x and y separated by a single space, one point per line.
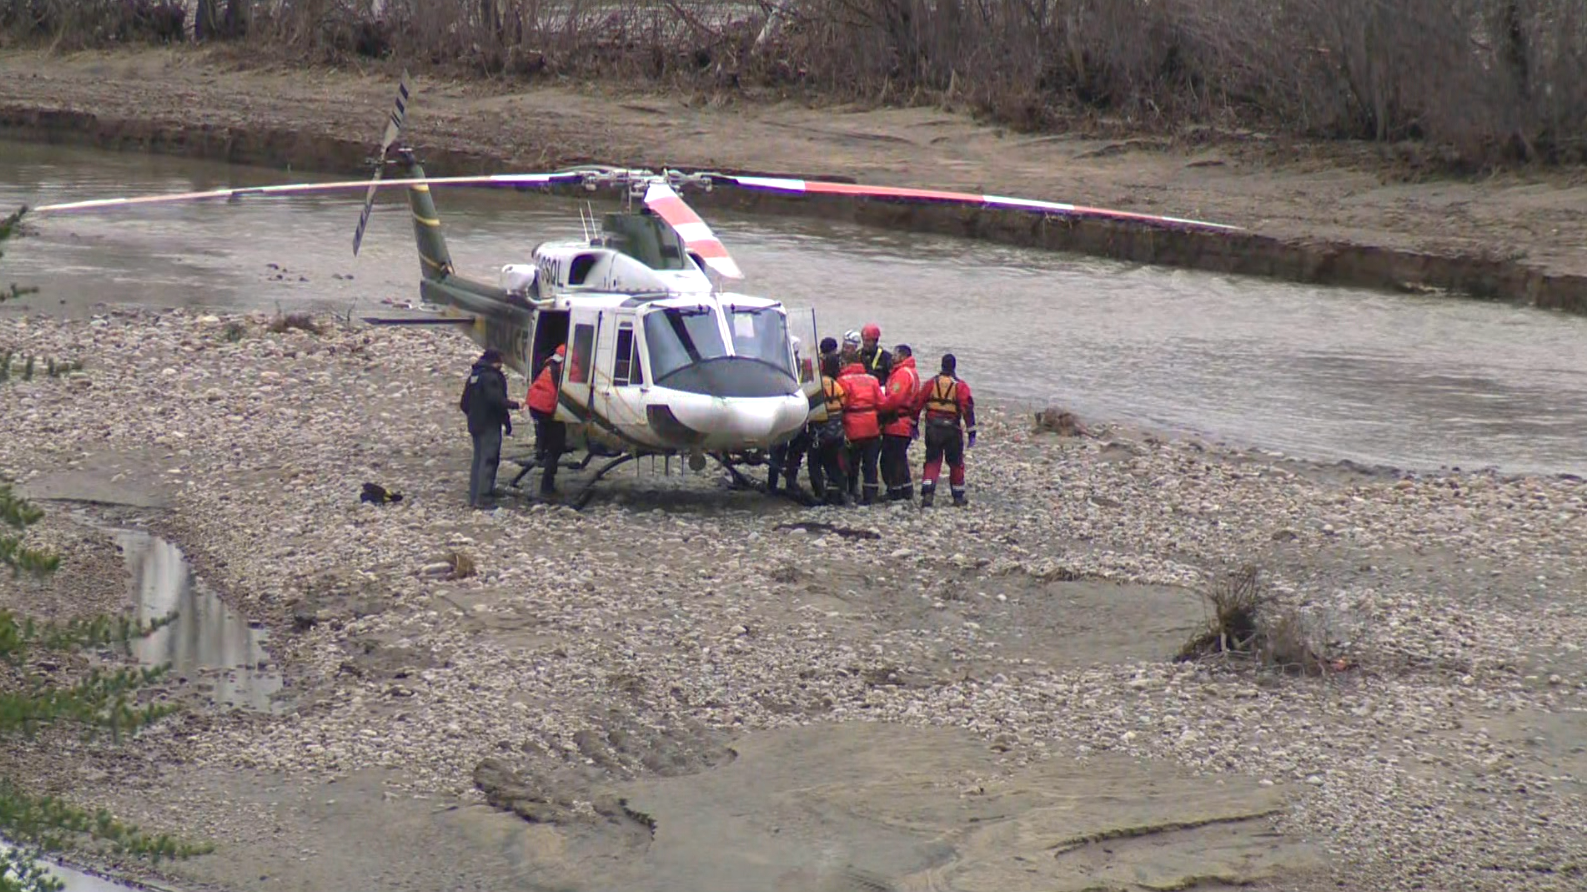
394 125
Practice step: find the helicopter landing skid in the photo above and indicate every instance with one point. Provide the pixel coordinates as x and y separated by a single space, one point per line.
529 464
583 498
739 480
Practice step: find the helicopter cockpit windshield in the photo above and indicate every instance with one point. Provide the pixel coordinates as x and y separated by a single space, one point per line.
688 352
760 333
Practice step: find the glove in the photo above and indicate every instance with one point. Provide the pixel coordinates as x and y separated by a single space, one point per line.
507 428
972 439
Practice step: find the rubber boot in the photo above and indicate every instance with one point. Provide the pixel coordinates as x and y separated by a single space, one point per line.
548 486
870 490
959 500
835 496
928 492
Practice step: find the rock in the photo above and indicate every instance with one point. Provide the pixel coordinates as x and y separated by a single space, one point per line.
1060 422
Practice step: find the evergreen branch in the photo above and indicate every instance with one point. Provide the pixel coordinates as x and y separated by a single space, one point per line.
100 701
17 511
51 825
20 871
17 638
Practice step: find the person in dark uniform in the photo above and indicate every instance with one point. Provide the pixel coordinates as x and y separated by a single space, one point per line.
949 415
486 403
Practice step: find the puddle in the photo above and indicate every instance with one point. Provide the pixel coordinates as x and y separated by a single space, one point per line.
209 642
77 881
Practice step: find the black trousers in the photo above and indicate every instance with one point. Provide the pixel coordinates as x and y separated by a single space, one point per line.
943 441
828 480
867 452
482 473
785 459
895 462
551 440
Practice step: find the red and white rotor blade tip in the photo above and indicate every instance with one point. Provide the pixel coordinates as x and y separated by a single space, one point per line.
499 179
816 187
696 235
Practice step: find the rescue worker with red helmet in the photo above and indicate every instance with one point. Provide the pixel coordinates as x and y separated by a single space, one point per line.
828 480
861 424
550 434
876 360
898 424
949 415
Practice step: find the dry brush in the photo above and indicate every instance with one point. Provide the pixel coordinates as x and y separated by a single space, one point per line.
1483 80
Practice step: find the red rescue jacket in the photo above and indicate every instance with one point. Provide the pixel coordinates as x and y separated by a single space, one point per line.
946 398
543 393
902 387
863 396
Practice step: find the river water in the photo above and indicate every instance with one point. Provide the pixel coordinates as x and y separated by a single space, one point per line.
1415 382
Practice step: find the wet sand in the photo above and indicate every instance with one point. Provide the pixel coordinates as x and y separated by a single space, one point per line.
1334 213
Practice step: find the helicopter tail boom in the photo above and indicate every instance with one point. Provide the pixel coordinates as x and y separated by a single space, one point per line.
435 262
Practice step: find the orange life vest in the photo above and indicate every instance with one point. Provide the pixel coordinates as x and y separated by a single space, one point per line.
944 397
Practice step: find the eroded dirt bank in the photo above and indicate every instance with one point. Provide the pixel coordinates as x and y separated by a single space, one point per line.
1331 214
675 689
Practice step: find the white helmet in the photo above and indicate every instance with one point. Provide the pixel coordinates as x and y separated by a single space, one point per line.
851 337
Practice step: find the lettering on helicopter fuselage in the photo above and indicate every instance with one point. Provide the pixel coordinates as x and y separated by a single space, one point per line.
510 339
551 271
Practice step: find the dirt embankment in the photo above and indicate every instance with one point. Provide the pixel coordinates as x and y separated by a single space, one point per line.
1328 214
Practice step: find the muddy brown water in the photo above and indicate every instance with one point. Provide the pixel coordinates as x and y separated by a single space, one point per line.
1415 382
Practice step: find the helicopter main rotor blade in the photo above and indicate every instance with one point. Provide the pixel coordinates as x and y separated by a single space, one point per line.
394 123
816 187
696 235
498 179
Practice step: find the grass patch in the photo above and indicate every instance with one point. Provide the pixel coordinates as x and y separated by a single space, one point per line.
285 322
1246 622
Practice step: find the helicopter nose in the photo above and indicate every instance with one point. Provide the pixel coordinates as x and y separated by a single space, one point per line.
732 422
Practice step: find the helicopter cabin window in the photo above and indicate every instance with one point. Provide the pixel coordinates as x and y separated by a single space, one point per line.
579 360
626 369
681 336
579 272
761 333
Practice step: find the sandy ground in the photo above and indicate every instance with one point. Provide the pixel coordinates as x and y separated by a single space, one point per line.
673 690
1340 194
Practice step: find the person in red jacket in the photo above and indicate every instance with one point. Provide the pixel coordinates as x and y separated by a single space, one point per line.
949 415
898 424
550 434
862 398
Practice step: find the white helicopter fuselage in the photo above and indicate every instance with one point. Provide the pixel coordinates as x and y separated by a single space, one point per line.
658 360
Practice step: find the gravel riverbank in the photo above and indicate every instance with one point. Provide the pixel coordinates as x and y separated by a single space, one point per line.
643 637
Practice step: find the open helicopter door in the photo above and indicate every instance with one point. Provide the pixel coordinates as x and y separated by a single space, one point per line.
802 325
579 378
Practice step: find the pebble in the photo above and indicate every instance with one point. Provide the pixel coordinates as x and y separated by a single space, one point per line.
685 615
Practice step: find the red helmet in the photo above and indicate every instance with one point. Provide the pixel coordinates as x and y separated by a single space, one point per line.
871 332
562 349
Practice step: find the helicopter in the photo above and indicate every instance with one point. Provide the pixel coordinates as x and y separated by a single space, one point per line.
661 361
